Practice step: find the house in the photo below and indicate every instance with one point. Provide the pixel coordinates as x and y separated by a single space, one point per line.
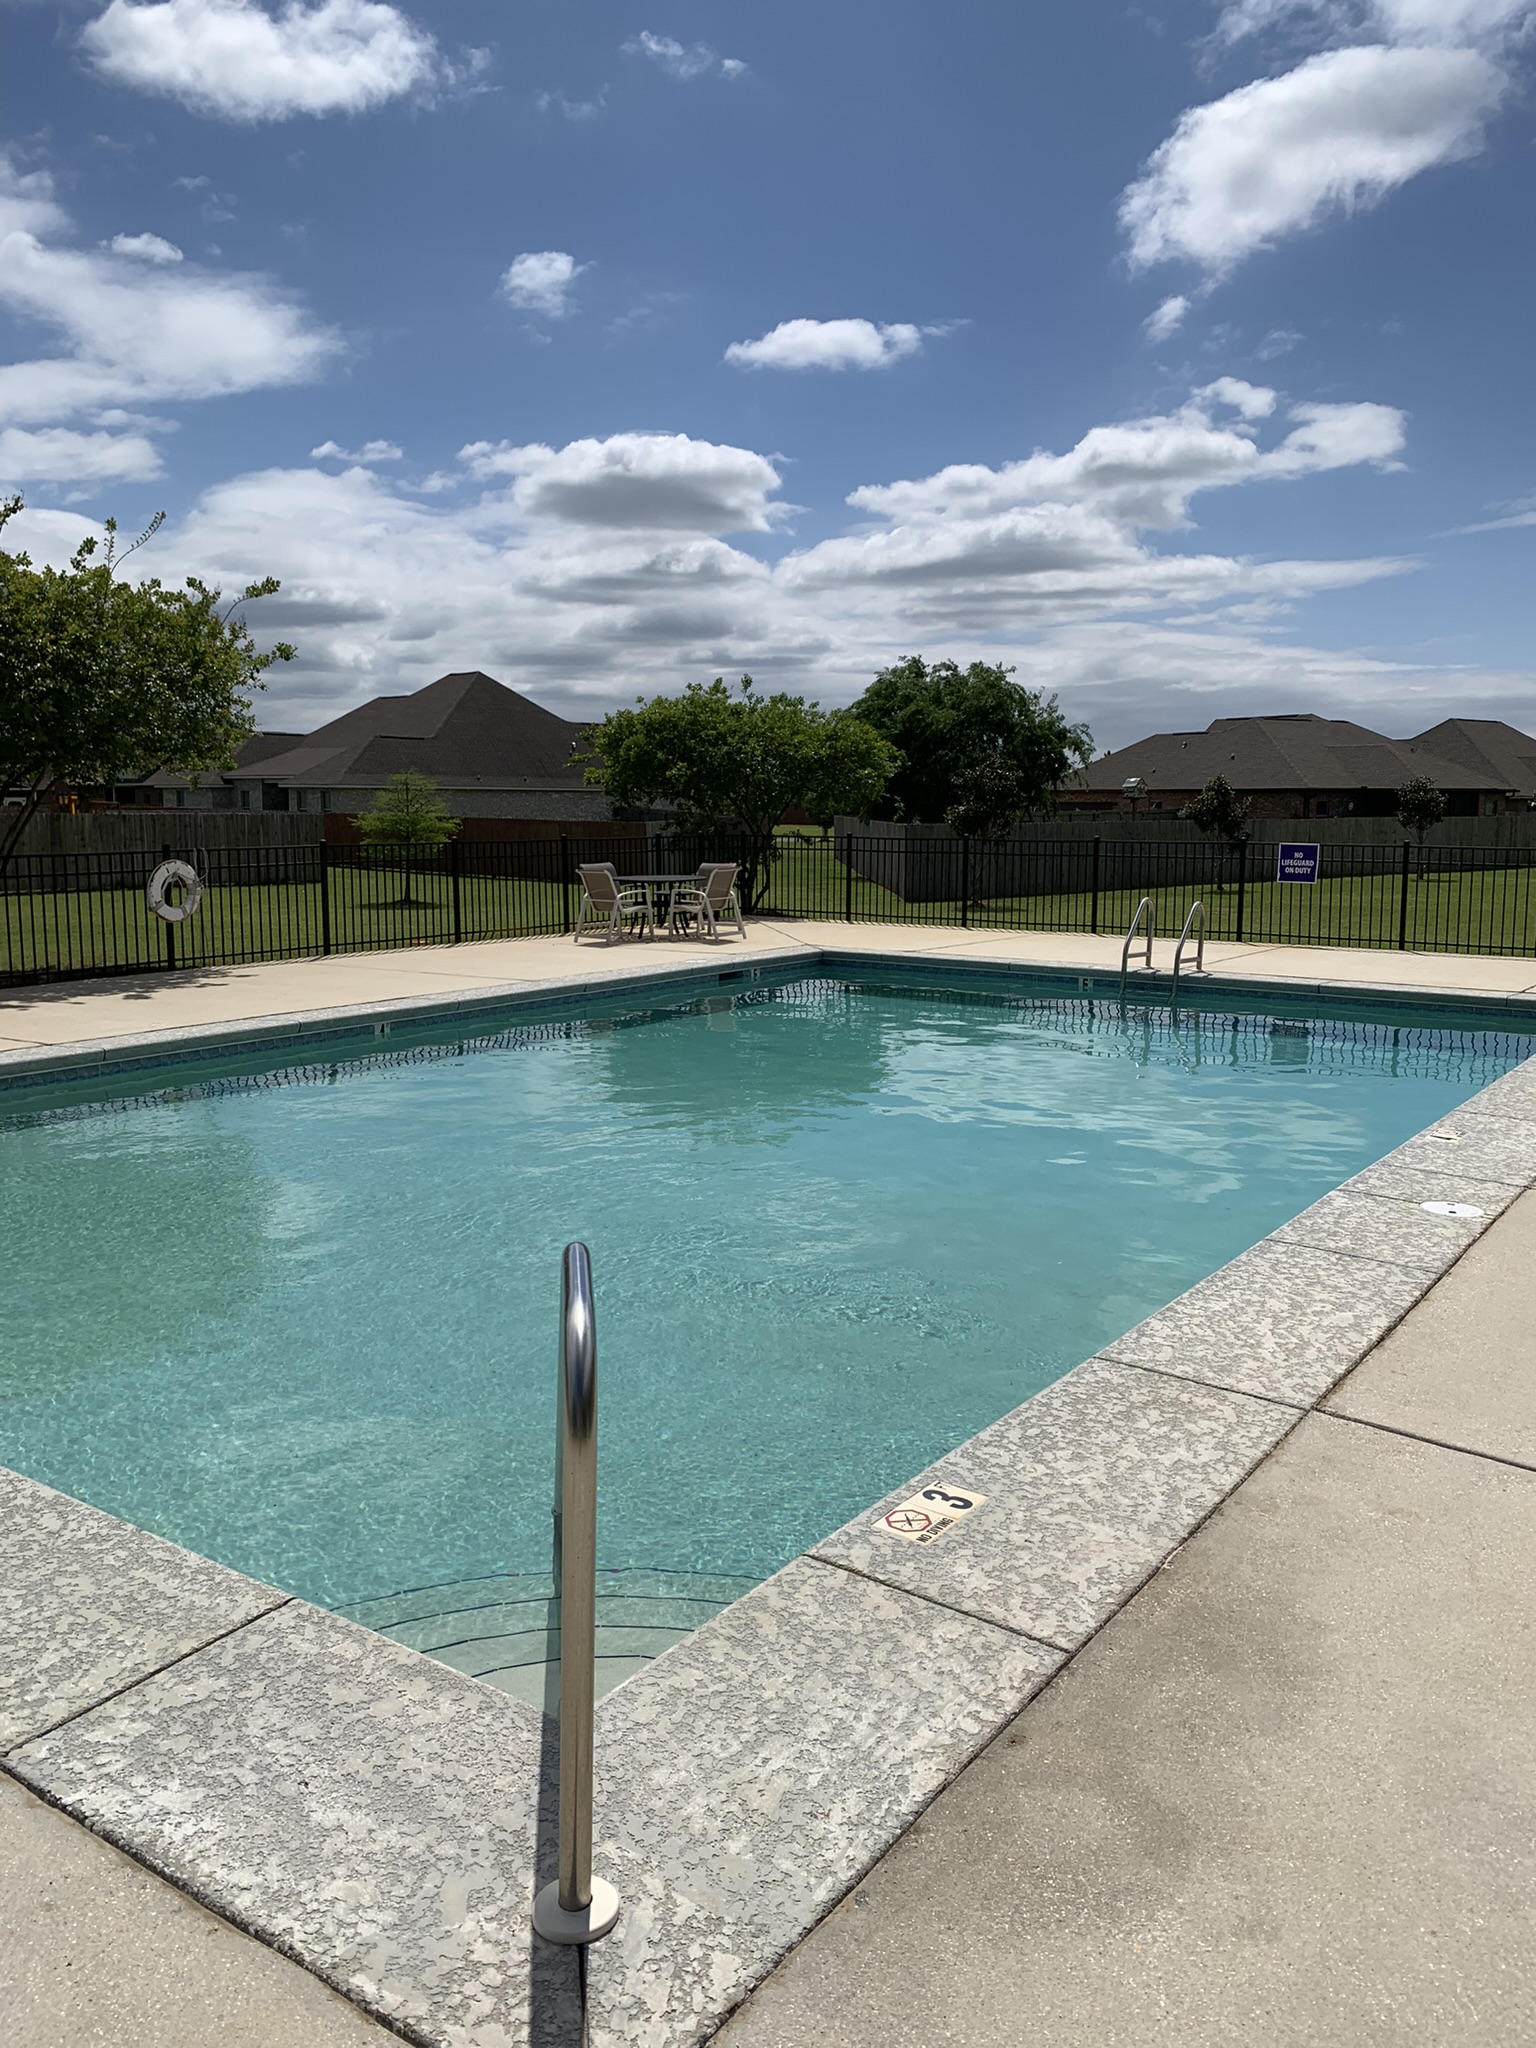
493 753
1298 765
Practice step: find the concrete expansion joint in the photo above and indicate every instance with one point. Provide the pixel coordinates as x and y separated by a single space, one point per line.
838 1564
1417 1436
140 1680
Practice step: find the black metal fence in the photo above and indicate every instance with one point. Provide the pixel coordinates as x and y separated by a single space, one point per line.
65 916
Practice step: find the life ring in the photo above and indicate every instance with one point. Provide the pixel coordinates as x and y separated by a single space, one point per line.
169 875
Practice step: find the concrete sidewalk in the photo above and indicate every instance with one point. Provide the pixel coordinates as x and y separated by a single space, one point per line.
1287 1797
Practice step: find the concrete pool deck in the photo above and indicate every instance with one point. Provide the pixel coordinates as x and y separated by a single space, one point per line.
1350 1617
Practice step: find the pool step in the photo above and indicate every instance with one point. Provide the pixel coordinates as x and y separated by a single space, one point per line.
505 1630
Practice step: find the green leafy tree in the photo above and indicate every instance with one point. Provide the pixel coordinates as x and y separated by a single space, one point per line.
947 721
723 758
102 679
1420 805
407 814
990 798
1220 813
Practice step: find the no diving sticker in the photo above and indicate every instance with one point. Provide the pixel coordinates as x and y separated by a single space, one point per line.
927 1515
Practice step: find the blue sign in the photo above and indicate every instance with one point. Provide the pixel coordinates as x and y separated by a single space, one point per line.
1296 863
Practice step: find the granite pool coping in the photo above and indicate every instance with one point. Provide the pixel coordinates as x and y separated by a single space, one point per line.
384 1820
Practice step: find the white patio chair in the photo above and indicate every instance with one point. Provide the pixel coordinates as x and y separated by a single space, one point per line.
605 900
712 896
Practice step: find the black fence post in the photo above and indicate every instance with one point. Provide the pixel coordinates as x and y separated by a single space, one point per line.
1093 914
458 908
848 878
325 899
965 881
166 925
1242 885
1402 908
565 881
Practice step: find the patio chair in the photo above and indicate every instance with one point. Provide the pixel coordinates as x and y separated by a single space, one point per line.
606 901
712 896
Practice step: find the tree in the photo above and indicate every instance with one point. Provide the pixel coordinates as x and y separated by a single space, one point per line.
722 758
1420 805
101 679
946 721
407 813
990 797
1220 813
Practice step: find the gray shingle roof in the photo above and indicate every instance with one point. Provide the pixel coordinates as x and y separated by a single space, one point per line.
1299 752
464 729
1487 745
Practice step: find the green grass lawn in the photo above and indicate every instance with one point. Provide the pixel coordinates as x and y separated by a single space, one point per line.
1491 911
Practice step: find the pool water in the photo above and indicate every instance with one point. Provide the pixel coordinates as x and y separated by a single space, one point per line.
304 1321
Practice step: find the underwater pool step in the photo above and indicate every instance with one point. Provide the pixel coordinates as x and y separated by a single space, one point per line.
505 1629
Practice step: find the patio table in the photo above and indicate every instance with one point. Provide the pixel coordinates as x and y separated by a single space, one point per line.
658 890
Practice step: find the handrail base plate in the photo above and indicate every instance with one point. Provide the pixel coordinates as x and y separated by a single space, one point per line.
575 1930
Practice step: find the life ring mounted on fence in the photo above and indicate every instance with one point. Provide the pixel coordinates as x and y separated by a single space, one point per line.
174 874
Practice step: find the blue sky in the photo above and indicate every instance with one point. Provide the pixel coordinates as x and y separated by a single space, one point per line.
1177 354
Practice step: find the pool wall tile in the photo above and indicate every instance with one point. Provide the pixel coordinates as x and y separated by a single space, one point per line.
1089 1486
1285 1321
89 1604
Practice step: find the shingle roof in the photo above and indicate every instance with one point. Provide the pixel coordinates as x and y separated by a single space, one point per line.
1297 752
462 730
1488 745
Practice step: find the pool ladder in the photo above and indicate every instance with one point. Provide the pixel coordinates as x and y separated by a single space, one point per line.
1146 909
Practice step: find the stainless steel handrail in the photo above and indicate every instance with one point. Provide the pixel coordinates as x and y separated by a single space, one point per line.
577 1907
1195 910
1143 907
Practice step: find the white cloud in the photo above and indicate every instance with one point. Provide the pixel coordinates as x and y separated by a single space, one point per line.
371 451
1339 132
1166 320
828 345
147 248
662 483
680 60
1482 22
61 455
234 59
540 281
589 571
133 332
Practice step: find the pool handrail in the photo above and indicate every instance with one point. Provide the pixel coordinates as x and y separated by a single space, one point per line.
1147 908
1196 909
577 1907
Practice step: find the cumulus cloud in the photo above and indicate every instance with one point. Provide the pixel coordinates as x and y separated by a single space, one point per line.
828 345
62 455
683 61
147 248
590 570
540 281
1416 21
235 60
371 451
1166 320
1339 132
663 483
132 331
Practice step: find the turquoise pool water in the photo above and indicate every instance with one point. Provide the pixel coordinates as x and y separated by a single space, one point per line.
304 1321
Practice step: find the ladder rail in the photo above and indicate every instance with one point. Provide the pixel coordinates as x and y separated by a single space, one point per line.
1196 909
1145 908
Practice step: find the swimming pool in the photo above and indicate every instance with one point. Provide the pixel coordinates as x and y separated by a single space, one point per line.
302 1320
